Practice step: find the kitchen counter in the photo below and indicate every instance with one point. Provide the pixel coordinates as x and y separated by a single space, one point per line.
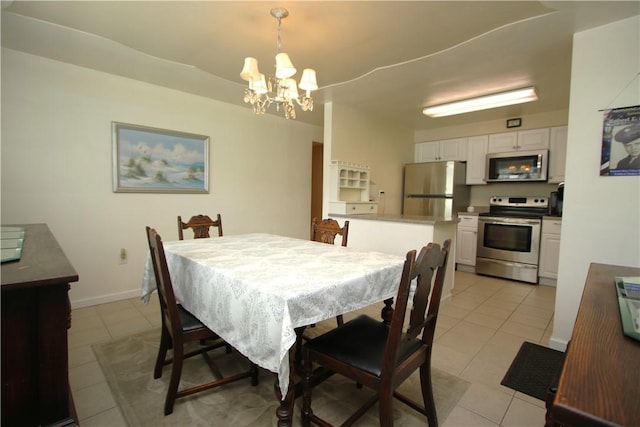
409 219
552 217
397 234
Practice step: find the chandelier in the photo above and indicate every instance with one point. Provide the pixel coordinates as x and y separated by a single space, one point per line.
279 89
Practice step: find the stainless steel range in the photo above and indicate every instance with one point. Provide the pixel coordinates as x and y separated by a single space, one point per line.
509 237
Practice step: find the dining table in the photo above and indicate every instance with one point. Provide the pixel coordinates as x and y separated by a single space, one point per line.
255 290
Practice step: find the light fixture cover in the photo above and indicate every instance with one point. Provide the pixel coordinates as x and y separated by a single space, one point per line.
258 84
291 88
250 68
284 67
308 80
486 102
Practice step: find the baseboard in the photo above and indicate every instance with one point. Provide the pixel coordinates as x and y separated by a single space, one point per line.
103 299
466 268
547 281
558 344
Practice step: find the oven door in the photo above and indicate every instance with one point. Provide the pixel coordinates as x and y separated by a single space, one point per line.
509 239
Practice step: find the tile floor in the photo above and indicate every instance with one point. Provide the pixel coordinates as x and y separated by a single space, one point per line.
480 330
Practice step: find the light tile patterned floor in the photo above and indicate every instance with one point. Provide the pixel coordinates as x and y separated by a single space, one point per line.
480 330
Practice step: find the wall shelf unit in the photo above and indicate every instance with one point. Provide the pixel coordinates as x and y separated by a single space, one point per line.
349 192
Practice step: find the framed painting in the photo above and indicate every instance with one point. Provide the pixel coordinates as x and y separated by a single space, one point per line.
150 160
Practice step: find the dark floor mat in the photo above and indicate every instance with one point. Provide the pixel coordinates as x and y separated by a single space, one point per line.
533 370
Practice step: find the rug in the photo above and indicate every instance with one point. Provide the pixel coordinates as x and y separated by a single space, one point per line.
128 366
534 369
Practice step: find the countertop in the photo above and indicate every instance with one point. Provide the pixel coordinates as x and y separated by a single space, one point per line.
412 219
553 217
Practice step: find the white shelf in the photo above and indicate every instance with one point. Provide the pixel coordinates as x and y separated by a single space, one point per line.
349 182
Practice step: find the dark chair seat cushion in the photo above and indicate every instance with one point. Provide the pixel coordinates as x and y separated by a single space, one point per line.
189 321
361 343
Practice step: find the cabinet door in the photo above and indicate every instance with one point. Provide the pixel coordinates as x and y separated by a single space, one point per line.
557 154
427 151
503 142
453 149
466 241
549 255
534 139
476 159
550 248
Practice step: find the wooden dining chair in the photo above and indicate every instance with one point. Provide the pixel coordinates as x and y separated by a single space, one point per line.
201 225
179 327
326 231
381 356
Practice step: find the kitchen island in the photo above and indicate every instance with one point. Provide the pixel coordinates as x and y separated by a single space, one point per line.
398 234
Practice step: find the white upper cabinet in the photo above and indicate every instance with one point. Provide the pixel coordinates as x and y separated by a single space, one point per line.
437 151
503 142
534 139
557 154
476 159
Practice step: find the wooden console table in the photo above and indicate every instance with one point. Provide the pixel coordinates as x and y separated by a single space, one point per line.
35 317
600 379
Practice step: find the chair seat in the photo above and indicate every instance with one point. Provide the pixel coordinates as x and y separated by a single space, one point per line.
188 320
361 343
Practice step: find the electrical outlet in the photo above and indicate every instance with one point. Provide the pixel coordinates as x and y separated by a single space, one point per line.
123 256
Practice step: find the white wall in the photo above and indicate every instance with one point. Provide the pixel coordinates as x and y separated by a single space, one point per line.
601 217
353 136
57 167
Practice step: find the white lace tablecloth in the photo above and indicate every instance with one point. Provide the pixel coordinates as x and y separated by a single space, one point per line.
254 289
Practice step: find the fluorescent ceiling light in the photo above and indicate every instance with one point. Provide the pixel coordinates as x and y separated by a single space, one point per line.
482 103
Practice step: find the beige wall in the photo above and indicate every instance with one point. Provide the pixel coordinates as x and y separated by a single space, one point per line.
353 136
601 217
57 167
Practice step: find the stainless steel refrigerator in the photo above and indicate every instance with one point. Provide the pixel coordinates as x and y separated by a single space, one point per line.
435 189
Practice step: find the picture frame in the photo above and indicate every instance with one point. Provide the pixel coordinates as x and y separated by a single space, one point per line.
620 142
514 123
152 160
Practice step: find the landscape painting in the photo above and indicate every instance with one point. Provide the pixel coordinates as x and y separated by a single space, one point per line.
150 160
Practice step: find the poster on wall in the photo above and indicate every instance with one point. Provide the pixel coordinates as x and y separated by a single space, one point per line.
621 142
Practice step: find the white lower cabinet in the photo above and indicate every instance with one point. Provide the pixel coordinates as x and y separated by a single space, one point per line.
466 241
354 208
549 251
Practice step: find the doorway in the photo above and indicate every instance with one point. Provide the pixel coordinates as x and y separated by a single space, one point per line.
317 162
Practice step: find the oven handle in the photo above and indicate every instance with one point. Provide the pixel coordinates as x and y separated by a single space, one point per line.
510 264
489 220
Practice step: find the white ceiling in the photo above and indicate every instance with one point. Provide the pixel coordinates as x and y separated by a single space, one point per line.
390 58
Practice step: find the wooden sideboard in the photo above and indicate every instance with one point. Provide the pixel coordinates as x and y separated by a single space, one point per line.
35 317
600 379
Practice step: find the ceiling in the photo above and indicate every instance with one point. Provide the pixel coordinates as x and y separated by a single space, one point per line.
388 58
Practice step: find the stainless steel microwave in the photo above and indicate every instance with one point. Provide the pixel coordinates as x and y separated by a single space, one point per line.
517 166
